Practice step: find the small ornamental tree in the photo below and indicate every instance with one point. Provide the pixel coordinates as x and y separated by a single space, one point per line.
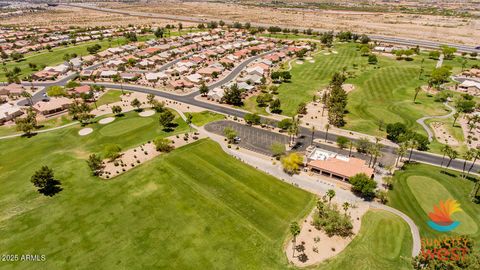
163 144
252 119
166 119
363 185
291 163
44 180
230 133
136 103
95 164
116 109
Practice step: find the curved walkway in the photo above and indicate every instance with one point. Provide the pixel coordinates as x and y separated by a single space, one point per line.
311 184
39 131
421 121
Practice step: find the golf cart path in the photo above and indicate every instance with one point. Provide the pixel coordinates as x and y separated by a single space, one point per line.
421 121
416 247
309 184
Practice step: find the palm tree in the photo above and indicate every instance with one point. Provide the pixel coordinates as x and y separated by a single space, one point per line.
376 152
290 135
401 151
327 127
475 157
330 193
345 206
417 90
295 231
313 133
28 96
455 117
350 150
413 144
445 150
452 154
467 156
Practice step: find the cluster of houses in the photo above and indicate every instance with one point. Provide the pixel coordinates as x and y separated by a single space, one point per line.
29 39
173 63
10 94
178 62
255 73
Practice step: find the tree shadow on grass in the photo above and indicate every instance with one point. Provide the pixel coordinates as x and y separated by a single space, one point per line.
448 173
29 135
51 188
170 127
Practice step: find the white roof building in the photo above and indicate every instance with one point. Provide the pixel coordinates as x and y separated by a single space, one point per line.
62 68
255 70
216 93
194 78
155 76
470 84
107 73
9 112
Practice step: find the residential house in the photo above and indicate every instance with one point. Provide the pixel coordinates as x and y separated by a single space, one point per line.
9 112
52 106
11 90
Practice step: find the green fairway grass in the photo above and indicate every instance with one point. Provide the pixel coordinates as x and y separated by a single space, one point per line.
195 208
45 124
384 242
381 94
124 126
250 104
110 96
202 118
308 78
419 187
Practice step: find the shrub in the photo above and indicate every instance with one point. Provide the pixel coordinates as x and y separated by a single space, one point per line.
291 163
163 145
342 142
112 151
329 219
363 185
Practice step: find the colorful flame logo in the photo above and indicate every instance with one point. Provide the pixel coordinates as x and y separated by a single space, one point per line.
441 216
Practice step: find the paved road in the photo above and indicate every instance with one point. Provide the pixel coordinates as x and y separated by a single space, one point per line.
260 140
190 99
395 40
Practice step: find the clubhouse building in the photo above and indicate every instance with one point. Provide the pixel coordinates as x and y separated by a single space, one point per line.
336 166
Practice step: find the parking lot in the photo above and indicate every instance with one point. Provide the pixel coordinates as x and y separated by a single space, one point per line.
253 138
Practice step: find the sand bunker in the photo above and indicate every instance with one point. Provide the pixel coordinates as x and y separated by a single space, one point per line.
311 61
299 62
326 53
147 113
308 58
106 120
85 131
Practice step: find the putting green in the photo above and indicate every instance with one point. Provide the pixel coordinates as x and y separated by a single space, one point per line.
124 126
436 193
384 242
